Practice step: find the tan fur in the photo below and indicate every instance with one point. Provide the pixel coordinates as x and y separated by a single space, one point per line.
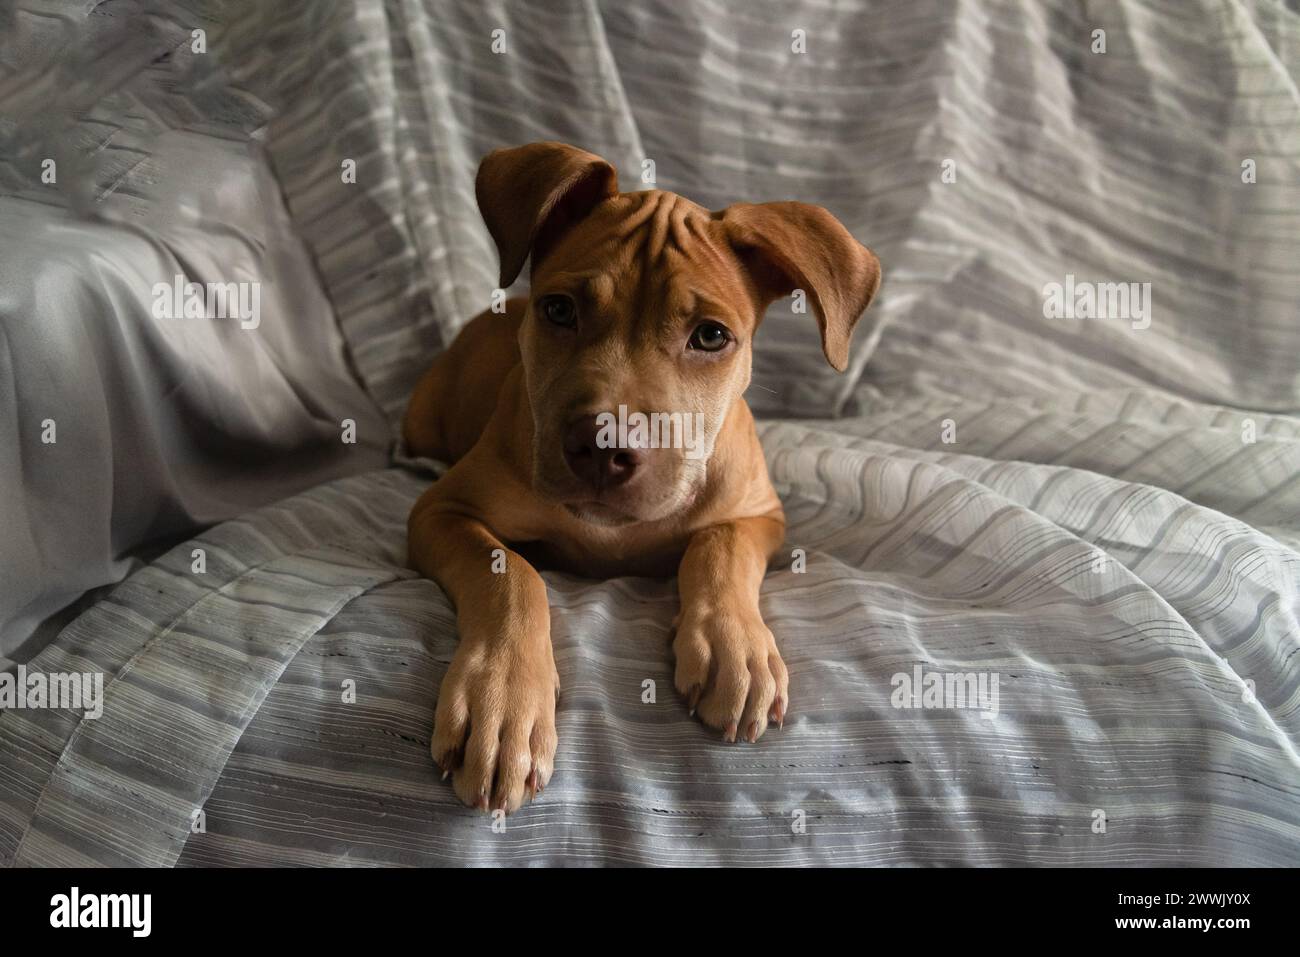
644 268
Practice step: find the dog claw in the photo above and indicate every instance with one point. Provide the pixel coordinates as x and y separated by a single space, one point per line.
449 762
778 713
694 700
730 734
752 736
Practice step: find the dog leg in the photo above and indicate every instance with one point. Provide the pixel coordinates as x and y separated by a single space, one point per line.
728 667
494 729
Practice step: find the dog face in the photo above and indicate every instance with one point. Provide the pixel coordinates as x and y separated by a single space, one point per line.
640 317
642 313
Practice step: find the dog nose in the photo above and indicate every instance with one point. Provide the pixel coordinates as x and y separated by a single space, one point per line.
598 467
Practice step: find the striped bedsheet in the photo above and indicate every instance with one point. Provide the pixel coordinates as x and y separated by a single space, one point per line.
1040 599
983 149
1133 650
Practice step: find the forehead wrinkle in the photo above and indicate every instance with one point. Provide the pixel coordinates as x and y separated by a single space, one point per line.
679 229
643 212
698 227
658 232
660 227
599 289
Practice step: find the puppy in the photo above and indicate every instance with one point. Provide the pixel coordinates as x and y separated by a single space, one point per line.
639 300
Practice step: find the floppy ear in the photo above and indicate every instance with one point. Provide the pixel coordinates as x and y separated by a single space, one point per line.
788 246
529 195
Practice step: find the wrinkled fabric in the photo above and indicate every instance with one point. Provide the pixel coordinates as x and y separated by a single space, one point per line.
1101 513
983 150
1142 638
124 428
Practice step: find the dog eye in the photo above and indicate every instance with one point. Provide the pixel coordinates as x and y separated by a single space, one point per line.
709 337
558 310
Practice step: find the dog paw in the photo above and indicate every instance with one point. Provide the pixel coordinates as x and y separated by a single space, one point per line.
494 730
730 673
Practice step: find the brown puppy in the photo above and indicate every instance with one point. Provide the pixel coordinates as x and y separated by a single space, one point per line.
643 300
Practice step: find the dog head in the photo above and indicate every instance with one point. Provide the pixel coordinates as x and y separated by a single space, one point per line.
641 318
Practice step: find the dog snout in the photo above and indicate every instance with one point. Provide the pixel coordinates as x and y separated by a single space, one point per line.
592 462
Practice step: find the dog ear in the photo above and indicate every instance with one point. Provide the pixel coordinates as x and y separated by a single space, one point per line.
529 195
788 246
